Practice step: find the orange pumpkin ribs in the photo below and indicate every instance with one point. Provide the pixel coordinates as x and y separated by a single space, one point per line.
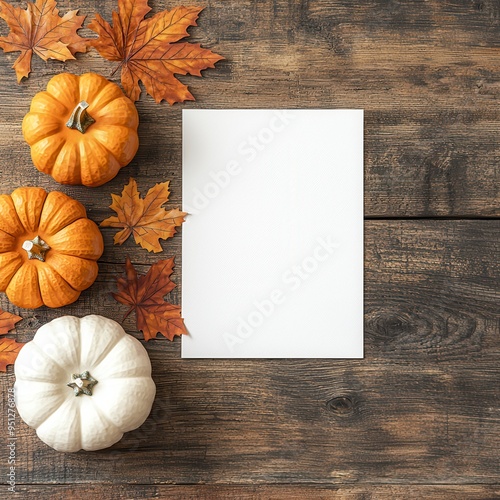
82 129
48 248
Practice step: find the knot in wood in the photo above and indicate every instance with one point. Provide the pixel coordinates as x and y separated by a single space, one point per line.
341 405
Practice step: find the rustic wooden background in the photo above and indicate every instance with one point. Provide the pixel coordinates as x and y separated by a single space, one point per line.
419 417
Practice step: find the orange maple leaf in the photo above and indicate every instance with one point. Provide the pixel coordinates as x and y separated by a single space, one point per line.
145 218
39 29
147 51
9 349
7 321
144 294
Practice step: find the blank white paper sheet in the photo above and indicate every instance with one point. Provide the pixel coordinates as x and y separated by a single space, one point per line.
272 248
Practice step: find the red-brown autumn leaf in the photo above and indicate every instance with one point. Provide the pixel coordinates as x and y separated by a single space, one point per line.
145 294
147 50
7 321
40 30
145 218
9 349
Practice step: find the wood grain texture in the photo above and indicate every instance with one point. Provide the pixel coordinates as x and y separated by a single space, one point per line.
263 492
422 407
419 417
426 74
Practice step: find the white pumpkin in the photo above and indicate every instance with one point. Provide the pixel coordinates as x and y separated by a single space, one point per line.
82 383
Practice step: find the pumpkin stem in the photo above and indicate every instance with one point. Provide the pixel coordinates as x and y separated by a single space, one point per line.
80 119
36 248
83 383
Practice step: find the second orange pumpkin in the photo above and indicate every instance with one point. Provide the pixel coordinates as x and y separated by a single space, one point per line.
82 129
48 248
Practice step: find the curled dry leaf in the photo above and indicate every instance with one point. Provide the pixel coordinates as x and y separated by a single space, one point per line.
145 294
9 349
145 218
8 321
39 29
147 52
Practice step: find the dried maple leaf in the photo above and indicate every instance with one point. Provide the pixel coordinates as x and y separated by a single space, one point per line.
39 29
145 218
9 349
8 321
147 51
145 294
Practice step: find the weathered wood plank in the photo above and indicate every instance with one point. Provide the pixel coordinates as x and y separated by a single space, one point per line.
262 492
422 407
425 72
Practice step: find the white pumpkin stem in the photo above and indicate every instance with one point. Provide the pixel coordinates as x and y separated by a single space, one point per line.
36 248
80 119
83 383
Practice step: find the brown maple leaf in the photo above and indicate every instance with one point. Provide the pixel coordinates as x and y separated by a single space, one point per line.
9 349
39 29
7 321
145 218
144 294
147 52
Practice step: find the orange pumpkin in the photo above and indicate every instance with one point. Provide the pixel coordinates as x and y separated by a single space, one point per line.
82 129
48 248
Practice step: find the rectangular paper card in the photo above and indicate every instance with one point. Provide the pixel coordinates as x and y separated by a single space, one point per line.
272 249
